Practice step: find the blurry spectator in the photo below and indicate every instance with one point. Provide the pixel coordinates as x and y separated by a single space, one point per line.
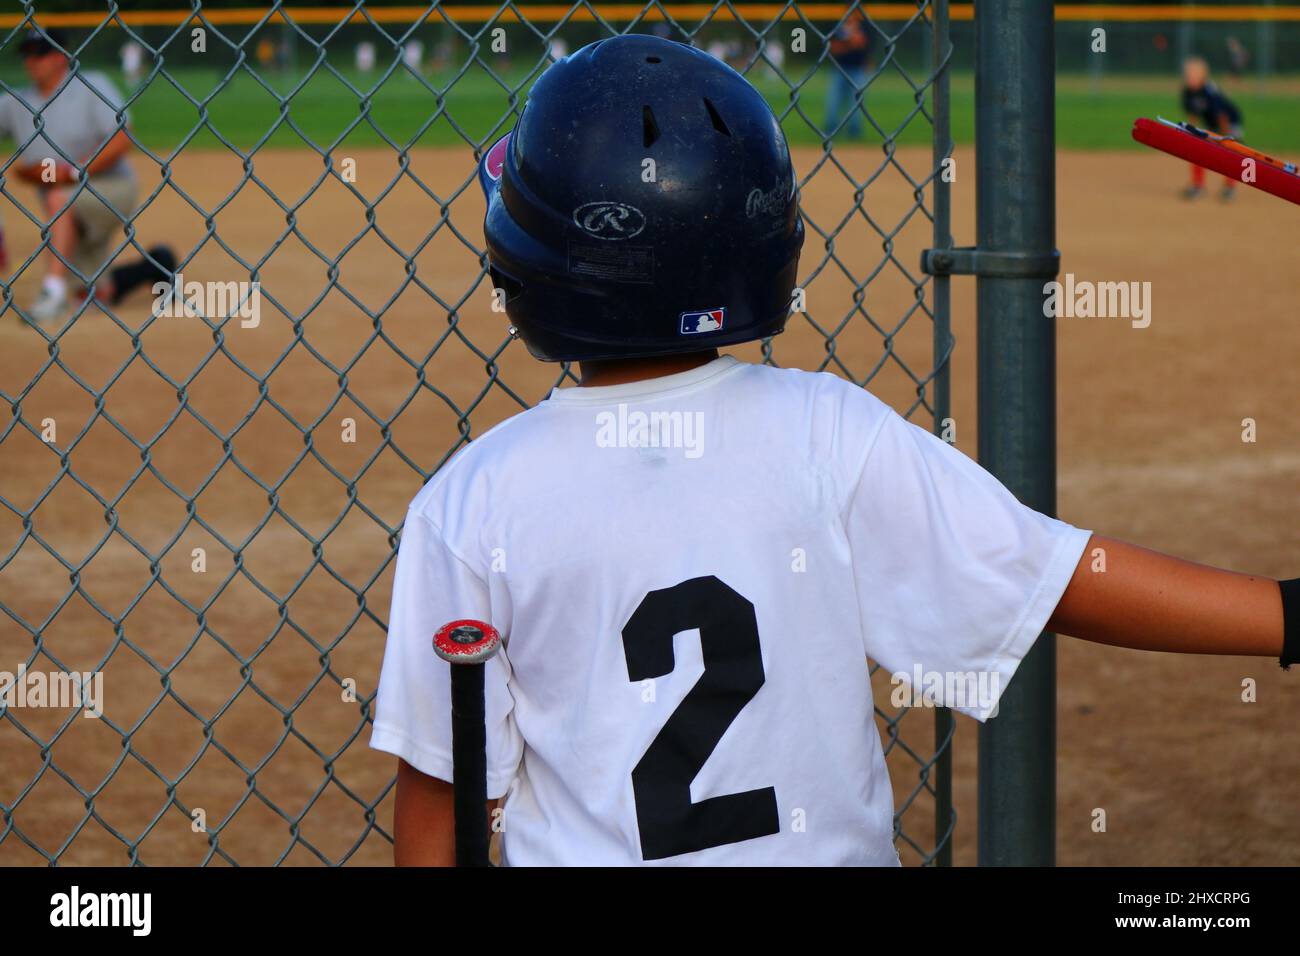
1238 57
442 51
849 46
775 53
365 56
735 55
265 52
132 55
413 55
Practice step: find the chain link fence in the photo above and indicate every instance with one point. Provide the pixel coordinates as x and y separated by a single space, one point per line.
201 497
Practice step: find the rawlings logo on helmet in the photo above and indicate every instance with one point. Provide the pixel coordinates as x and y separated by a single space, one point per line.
609 220
772 202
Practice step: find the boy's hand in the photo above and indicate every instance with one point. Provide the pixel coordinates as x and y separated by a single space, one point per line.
1151 601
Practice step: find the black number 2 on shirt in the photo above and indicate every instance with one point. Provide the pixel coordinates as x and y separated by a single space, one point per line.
670 823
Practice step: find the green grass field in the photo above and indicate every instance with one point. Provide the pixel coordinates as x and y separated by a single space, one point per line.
323 111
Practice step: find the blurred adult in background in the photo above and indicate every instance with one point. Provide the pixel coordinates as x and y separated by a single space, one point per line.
734 56
850 44
365 56
132 55
440 60
413 56
1238 58
775 54
265 52
82 137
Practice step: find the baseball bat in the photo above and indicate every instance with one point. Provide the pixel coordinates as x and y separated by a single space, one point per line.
467 645
1221 154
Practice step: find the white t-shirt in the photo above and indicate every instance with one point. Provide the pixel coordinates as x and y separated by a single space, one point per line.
687 602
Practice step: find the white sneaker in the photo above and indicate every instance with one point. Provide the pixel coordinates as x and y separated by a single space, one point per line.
48 307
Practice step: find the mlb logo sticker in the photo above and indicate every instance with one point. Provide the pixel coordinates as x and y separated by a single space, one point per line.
710 320
496 158
490 169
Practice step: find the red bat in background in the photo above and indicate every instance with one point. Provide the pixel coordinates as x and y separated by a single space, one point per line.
1222 154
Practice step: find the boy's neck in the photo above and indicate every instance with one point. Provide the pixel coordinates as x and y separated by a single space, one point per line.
620 371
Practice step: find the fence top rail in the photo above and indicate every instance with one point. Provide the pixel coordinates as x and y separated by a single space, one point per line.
554 12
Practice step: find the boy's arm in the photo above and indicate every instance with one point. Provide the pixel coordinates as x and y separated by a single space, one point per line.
424 821
1151 601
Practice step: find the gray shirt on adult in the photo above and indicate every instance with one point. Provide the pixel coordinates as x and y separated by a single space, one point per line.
80 118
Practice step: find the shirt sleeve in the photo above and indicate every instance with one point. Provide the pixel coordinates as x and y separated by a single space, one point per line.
432 586
104 101
956 578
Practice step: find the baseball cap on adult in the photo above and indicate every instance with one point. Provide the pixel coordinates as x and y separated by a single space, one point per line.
41 42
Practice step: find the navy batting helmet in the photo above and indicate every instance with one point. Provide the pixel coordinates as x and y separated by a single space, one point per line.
643 205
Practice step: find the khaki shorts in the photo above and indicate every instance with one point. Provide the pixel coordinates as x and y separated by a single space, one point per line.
99 226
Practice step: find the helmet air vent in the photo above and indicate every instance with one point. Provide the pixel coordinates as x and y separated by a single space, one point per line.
649 128
716 118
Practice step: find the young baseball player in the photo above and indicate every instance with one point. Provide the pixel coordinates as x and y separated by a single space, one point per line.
1207 107
689 557
68 130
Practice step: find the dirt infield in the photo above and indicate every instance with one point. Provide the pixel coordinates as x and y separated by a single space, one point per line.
297 532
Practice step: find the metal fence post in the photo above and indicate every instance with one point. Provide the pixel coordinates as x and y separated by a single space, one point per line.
1264 46
1016 213
940 57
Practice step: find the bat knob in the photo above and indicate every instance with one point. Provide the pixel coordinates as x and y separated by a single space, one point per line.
466 642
